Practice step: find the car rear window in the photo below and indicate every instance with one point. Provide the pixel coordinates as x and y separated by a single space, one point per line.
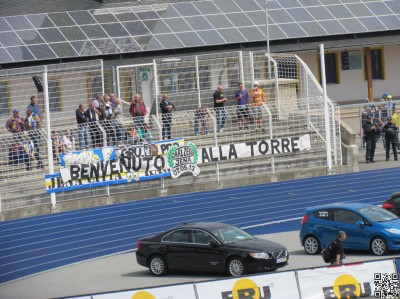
325 214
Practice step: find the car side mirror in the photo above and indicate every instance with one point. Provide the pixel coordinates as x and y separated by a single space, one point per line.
360 223
213 243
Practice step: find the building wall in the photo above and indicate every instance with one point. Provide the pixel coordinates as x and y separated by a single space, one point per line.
352 84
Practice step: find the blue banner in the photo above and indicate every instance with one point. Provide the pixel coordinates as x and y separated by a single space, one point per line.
88 156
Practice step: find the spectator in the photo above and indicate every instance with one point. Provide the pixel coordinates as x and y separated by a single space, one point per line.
108 124
201 120
119 127
32 125
29 153
395 118
220 111
69 142
82 120
112 100
145 134
93 114
390 130
133 135
35 108
241 98
98 100
15 124
166 114
370 132
138 111
257 95
58 146
337 254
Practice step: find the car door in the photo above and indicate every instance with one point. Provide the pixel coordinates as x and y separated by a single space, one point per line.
176 249
324 226
357 237
206 257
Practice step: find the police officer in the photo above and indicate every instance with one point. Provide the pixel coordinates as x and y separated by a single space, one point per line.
390 130
371 130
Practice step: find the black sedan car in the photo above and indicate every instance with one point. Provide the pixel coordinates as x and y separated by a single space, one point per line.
393 204
209 246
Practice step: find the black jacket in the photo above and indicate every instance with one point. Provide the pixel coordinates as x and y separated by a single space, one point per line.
369 131
390 131
81 117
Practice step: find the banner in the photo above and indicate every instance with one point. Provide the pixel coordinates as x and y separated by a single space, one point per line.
270 286
132 163
184 291
342 282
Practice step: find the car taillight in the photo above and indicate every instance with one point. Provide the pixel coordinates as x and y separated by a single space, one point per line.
138 245
387 206
305 218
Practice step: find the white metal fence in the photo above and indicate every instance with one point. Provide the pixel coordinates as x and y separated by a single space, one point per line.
294 107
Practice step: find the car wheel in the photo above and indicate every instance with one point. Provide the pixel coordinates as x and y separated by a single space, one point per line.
158 266
379 246
236 267
311 245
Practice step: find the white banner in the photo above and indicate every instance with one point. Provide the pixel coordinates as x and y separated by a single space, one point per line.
342 282
267 286
185 291
255 148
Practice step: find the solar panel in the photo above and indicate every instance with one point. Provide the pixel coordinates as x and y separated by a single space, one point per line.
85 48
42 51
19 22
106 46
190 39
73 33
127 44
20 53
178 25
63 50
136 28
40 21
4 56
94 31
187 9
372 24
239 19
199 23
169 41
9 39
211 37
61 19
207 7
82 17
4 25
30 37
51 35
232 35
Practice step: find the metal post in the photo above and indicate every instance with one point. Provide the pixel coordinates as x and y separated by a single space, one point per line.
48 129
114 80
326 109
241 67
198 81
155 84
119 84
251 68
267 35
214 121
102 76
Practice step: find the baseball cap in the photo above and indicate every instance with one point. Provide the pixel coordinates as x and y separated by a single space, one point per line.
385 95
389 118
256 83
389 96
15 111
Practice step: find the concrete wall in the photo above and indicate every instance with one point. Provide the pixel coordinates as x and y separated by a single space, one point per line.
352 84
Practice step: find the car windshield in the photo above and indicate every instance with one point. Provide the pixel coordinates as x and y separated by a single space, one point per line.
230 234
377 214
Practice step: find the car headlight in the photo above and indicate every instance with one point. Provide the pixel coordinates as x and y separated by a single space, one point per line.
393 230
260 255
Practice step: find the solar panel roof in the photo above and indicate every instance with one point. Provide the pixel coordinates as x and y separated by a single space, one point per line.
186 24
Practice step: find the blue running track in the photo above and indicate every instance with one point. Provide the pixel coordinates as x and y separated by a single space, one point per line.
37 244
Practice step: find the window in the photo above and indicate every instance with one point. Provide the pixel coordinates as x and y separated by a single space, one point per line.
376 64
204 74
94 86
233 72
331 68
180 236
55 101
202 237
324 214
347 216
4 99
286 69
